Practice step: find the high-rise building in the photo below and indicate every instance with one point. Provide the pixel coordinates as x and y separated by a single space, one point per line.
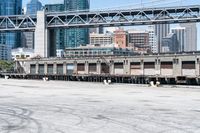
161 31
170 43
101 39
181 37
54 7
191 36
9 40
152 39
57 35
120 38
28 37
33 6
10 7
68 38
75 37
98 30
5 52
139 40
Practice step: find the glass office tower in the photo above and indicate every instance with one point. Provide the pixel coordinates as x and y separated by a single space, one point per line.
75 37
27 40
33 6
10 7
57 38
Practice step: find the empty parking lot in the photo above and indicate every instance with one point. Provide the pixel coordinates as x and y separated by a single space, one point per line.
73 107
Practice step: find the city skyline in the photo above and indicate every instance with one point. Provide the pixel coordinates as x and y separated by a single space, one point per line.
101 4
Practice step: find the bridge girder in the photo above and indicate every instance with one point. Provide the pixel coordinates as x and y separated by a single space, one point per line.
145 16
17 22
130 17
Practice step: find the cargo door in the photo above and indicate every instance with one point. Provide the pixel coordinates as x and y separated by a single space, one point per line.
136 68
105 69
149 68
166 68
93 68
81 68
50 69
118 68
60 69
70 69
41 69
188 68
32 69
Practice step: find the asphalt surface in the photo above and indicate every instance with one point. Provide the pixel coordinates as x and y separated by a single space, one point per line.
75 107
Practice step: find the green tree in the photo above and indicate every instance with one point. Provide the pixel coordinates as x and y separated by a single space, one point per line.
6 66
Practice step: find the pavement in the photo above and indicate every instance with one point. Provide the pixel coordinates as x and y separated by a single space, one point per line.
28 106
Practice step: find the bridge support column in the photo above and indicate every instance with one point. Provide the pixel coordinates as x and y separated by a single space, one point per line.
41 36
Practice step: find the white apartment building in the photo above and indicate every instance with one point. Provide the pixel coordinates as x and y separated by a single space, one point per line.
101 39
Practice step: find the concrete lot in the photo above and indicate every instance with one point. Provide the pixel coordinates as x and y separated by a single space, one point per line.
74 107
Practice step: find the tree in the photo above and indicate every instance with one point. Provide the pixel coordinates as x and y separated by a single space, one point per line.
6 66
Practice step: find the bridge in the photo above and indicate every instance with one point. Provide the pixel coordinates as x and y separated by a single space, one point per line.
43 21
128 17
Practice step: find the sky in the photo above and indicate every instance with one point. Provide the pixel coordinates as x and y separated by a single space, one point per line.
117 4
126 3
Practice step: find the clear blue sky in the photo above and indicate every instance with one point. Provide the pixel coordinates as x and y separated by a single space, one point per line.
117 3
103 4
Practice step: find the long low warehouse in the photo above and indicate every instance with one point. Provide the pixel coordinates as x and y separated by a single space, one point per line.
166 67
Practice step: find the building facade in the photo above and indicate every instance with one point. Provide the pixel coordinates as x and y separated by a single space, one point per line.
28 37
120 38
98 30
170 44
10 7
139 40
191 36
101 39
68 38
22 53
57 35
181 37
5 52
161 31
98 51
33 6
152 39
75 37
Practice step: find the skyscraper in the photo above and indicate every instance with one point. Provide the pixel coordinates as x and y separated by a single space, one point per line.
33 6
152 39
191 36
57 35
170 43
181 37
10 7
75 37
161 31
28 37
